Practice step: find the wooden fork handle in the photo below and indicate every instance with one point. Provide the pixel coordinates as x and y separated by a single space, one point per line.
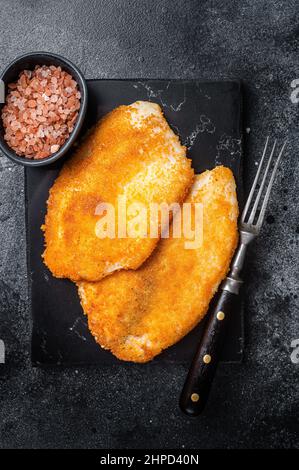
197 387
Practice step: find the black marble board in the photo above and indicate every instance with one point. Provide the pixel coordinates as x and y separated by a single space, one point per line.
207 117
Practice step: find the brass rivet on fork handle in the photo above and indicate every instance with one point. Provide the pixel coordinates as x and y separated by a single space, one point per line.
200 376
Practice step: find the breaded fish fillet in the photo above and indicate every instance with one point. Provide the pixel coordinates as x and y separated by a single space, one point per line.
137 314
131 153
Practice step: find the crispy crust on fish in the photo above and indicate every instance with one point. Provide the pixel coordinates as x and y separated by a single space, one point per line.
137 314
132 152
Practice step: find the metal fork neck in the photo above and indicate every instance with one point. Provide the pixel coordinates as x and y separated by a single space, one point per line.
233 281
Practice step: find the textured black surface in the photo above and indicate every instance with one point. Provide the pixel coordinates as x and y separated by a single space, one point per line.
203 114
252 405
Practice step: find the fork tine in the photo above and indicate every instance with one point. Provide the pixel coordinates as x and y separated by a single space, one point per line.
249 199
258 197
267 195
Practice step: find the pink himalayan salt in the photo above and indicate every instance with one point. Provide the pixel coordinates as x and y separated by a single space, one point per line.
40 111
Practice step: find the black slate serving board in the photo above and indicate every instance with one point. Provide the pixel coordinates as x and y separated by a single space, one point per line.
207 117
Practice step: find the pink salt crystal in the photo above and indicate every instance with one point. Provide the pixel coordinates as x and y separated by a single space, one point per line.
23 82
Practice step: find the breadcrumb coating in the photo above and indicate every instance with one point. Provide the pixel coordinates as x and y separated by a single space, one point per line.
137 314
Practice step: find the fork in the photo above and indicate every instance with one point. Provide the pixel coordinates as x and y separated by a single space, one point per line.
198 383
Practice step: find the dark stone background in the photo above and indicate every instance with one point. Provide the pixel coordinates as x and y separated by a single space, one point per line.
252 405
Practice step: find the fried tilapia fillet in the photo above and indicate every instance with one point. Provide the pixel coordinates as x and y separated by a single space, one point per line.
131 153
137 314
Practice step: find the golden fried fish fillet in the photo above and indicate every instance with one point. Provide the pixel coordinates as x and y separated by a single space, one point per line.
137 314
131 153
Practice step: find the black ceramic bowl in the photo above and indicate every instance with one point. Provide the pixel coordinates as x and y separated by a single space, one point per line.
29 61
